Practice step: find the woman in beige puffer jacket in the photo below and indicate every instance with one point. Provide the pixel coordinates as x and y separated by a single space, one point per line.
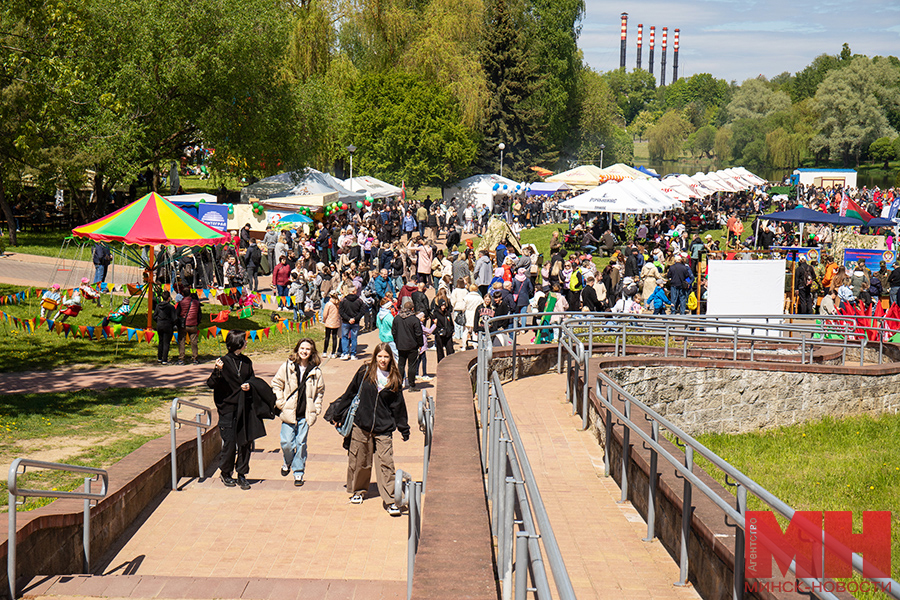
299 405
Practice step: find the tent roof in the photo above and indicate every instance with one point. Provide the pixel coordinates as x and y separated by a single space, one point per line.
298 183
625 171
610 197
579 177
801 214
672 188
654 193
648 171
150 221
372 187
543 188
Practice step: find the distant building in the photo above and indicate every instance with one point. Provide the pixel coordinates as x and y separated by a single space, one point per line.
826 178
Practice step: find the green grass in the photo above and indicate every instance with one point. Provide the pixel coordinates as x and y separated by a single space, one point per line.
832 464
99 428
44 350
49 243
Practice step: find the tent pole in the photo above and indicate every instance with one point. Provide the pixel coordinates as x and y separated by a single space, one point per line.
150 291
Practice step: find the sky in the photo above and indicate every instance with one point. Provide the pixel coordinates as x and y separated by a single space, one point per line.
740 39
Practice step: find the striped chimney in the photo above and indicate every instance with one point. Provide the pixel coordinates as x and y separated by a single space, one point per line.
675 57
624 30
652 44
662 60
640 42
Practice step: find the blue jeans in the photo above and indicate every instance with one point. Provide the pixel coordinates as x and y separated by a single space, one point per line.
99 273
281 290
894 291
522 321
293 445
679 300
394 351
348 338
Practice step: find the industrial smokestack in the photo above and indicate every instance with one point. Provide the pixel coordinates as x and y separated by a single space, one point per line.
652 44
640 41
662 60
675 57
624 29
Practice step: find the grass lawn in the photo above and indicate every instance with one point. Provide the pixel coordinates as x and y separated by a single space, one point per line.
88 428
833 464
44 350
49 243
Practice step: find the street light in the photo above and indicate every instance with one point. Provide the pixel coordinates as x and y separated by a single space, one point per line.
351 149
502 147
602 146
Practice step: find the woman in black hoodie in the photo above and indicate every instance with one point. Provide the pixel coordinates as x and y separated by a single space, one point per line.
381 410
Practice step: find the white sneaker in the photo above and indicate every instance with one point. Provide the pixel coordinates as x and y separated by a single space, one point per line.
425 378
345 357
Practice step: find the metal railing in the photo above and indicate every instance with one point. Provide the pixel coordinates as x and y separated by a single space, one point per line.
15 492
684 466
408 492
175 422
518 517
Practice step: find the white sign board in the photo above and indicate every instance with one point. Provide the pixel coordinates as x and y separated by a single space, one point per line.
746 288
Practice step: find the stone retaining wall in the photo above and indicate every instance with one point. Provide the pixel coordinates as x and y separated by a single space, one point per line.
727 400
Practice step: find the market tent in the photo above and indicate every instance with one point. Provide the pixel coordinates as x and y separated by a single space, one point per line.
802 214
609 197
625 171
151 221
372 187
739 177
728 181
585 176
697 186
712 183
672 188
543 188
191 198
297 183
686 185
481 190
657 195
756 179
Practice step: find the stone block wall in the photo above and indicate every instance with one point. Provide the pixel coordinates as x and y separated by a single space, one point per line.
726 400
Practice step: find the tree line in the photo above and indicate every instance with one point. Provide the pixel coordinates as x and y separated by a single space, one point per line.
93 92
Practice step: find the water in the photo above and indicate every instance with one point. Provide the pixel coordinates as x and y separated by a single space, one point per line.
870 178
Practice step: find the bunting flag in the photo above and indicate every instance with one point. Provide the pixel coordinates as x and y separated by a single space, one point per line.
266 332
253 335
66 329
211 332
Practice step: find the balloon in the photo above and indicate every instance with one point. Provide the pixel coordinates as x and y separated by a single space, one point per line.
496 186
367 202
344 206
230 209
505 186
359 204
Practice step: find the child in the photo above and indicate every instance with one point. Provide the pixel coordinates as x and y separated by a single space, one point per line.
50 300
658 299
297 293
423 357
70 307
89 293
119 314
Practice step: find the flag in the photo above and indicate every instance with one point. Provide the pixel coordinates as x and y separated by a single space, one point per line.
403 189
851 209
895 207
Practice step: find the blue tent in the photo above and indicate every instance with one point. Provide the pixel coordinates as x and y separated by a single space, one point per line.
807 215
647 171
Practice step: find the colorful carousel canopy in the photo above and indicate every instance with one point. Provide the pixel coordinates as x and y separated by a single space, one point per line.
150 221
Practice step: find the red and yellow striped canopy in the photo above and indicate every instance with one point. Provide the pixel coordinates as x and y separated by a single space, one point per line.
151 221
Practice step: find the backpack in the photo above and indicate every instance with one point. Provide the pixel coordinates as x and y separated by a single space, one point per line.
692 301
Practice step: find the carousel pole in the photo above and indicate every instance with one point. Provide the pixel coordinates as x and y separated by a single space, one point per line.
150 291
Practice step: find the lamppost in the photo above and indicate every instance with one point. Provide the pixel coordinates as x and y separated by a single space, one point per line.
351 149
502 147
602 146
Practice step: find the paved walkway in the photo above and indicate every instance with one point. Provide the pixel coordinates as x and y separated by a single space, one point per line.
599 538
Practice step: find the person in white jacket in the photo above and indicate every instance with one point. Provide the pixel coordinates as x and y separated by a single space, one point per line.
299 388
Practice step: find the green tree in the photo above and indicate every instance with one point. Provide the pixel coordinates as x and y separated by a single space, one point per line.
408 129
599 119
851 103
882 150
743 133
702 89
667 136
705 140
633 91
756 99
722 144
514 118
805 83
642 122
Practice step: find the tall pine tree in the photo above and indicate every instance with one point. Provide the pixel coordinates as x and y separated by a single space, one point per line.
514 118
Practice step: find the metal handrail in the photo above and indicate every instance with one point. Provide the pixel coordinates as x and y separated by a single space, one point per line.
426 426
201 426
15 491
684 466
510 483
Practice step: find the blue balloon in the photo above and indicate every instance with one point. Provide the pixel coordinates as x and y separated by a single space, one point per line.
496 186
505 186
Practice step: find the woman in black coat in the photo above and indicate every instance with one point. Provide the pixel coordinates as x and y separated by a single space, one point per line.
381 410
230 383
166 315
443 331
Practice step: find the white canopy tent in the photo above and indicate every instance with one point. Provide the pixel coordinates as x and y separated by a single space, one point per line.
738 177
729 182
479 190
756 179
625 171
543 188
696 185
673 188
297 183
192 198
711 183
655 194
611 198
372 187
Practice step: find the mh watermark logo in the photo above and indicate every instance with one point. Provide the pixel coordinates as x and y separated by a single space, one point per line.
821 545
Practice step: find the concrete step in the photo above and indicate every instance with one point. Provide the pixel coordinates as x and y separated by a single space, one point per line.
62 587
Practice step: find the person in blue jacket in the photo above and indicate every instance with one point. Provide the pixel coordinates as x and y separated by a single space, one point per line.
658 300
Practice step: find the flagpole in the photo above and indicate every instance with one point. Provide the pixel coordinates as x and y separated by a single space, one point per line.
150 291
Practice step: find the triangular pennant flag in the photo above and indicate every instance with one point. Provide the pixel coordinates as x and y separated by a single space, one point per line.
58 327
211 332
224 333
90 332
82 330
49 324
148 335
253 334
266 332
280 326
66 329
130 331
117 329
